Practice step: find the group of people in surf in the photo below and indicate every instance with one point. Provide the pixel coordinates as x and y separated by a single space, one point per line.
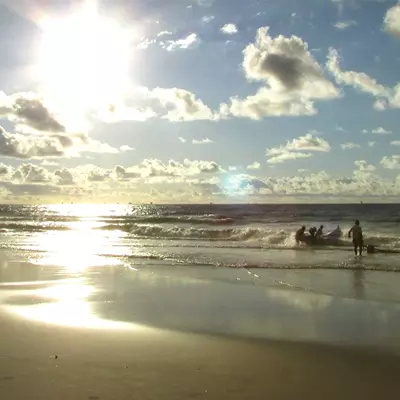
313 231
355 233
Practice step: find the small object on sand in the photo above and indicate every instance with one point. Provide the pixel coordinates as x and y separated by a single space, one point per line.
55 357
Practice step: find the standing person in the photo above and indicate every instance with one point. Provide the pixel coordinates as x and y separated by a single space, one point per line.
357 233
320 231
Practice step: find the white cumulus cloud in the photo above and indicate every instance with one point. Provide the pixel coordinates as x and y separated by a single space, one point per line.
229 29
391 21
391 162
297 148
292 76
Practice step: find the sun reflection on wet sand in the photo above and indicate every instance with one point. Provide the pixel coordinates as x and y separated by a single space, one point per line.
67 304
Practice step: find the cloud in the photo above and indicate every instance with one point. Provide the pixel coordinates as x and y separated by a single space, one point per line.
122 173
280 155
185 43
391 22
229 29
27 109
21 146
183 105
371 143
342 25
150 168
379 131
164 33
350 145
340 128
385 96
38 133
98 175
292 76
122 112
47 163
309 142
285 64
295 149
124 148
202 141
391 162
32 146
363 183
64 177
183 140
208 18
356 79
190 180
29 173
254 165
395 143
146 43
265 103
362 165
173 104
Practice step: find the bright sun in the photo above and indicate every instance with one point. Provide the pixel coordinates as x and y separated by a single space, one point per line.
84 58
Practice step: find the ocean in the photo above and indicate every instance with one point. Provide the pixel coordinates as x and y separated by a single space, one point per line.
232 236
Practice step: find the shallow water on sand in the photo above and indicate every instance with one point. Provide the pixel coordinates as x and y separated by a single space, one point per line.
337 307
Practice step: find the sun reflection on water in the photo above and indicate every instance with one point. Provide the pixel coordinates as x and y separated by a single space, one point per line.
79 248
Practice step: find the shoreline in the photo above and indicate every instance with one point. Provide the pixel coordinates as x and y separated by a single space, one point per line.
241 303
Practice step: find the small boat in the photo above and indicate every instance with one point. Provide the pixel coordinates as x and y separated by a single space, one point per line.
329 239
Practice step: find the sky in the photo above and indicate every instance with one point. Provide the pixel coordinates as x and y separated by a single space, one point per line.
198 101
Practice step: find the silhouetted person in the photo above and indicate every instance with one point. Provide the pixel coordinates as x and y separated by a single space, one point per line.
357 234
300 234
313 231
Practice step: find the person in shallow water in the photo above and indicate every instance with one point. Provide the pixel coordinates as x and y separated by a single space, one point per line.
320 232
356 232
300 234
313 231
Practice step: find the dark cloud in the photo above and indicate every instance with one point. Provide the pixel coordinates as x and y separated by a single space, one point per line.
31 112
122 174
98 176
64 177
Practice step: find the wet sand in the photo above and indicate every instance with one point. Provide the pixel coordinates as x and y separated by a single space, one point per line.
50 362
154 333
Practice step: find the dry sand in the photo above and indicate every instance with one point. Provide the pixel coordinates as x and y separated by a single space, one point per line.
39 361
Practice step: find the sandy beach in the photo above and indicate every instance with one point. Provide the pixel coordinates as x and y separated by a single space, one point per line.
114 332
47 362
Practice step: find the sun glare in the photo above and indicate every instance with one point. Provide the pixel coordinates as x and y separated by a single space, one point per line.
84 58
